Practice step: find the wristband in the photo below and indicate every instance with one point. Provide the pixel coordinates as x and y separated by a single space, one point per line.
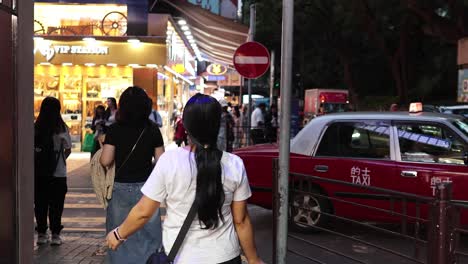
117 235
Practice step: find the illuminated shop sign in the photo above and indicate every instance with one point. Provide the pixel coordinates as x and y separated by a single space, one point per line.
49 51
216 69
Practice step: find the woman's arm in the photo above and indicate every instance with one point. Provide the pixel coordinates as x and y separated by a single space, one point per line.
158 152
107 156
140 214
67 152
245 231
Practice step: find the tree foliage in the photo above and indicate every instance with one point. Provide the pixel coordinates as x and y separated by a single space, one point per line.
403 48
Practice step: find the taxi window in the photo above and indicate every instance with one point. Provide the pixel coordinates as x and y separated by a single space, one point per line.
356 140
430 143
462 125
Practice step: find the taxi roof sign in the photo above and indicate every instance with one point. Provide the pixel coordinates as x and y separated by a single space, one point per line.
416 107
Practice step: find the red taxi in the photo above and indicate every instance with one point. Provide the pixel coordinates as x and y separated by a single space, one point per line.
399 151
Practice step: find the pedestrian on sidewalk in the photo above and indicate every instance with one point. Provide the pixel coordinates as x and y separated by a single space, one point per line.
258 124
52 146
98 126
131 143
215 182
180 135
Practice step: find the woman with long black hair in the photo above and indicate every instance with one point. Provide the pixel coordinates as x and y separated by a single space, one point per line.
52 146
200 172
131 144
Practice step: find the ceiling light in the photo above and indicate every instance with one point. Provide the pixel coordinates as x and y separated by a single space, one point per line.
151 65
45 63
189 37
38 38
67 64
169 32
89 39
182 22
90 64
112 64
191 41
187 33
133 40
134 65
184 28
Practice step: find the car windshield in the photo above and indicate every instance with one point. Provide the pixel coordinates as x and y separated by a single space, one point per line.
462 124
334 107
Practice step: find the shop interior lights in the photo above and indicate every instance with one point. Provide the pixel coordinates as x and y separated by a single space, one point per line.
67 64
45 63
151 65
182 22
112 64
133 41
38 38
90 64
134 65
88 39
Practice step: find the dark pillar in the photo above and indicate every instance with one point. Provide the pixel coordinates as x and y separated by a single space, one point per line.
16 136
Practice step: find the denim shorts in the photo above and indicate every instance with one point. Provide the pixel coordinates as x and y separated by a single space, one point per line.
144 242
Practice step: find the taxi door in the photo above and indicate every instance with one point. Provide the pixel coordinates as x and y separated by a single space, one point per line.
358 152
429 153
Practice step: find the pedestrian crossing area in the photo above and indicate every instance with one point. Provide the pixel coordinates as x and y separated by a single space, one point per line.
82 212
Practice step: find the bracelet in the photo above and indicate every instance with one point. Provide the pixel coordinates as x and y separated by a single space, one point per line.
117 235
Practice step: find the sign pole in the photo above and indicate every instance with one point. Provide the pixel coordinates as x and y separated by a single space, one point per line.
285 116
272 75
249 84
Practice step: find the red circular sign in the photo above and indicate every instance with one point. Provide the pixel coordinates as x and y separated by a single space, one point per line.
251 60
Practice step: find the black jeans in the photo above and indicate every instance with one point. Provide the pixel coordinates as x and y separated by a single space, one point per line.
257 136
236 260
49 199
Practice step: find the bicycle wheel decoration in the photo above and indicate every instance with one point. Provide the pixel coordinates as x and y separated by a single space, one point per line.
114 24
38 28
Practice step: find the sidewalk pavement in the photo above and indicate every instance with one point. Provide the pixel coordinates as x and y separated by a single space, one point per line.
77 248
89 247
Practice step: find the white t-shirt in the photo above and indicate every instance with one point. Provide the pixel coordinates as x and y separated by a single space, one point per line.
173 181
64 140
257 116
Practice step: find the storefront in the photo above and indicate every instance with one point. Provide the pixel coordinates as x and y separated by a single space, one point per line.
82 74
462 71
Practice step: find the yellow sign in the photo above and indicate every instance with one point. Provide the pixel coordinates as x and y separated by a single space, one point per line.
216 69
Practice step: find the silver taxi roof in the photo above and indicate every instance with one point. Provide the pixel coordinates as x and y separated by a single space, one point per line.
303 141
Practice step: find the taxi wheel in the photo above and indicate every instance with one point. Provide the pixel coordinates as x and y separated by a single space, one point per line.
305 210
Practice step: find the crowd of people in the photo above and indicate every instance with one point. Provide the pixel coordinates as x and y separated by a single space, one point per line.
201 177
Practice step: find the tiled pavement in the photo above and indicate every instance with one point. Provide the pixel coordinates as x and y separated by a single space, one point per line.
77 248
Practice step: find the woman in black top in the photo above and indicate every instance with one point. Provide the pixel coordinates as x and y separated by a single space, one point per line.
131 143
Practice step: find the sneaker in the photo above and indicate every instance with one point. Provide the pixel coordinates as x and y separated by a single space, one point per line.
56 240
42 238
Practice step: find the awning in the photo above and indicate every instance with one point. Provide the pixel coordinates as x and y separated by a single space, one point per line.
217 37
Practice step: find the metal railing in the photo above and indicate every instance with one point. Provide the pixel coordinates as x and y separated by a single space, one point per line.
423 229
240 137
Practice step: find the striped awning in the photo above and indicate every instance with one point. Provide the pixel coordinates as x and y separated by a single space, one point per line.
217 37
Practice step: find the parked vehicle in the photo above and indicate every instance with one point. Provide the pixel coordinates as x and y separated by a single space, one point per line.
319 102
456 110
399 151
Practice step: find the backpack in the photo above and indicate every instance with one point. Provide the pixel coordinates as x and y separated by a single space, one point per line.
45 157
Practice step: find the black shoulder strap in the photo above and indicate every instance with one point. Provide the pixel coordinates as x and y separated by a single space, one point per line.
183 231
131 151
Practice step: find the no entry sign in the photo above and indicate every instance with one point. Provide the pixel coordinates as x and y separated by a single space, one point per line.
251 60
